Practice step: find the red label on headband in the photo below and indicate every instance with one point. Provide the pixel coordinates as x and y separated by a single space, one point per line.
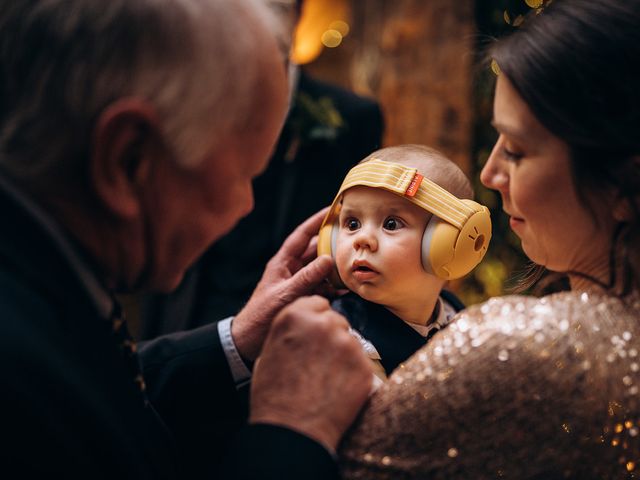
412 189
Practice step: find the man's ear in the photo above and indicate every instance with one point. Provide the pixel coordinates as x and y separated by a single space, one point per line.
126 140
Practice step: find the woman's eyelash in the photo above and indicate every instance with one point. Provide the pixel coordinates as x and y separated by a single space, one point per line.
510 155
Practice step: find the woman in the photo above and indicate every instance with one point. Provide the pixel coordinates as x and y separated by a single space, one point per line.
545 388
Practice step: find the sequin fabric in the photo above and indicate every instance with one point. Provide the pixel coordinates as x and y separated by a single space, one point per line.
517 387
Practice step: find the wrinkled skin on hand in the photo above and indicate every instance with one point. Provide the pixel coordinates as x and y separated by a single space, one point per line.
293 272
312 376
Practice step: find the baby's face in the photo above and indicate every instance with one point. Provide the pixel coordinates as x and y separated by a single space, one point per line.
378 246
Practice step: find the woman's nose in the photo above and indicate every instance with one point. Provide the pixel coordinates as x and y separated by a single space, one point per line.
365 238
494 174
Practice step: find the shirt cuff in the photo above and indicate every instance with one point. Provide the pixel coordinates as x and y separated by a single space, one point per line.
239 370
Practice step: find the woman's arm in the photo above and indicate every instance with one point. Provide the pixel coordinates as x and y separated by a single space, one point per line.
515 388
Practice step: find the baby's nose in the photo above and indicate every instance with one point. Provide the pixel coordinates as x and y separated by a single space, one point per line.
365 239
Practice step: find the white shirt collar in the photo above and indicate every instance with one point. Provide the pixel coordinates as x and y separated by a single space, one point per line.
445 314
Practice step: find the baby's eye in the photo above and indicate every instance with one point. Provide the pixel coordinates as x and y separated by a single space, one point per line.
392 223
352 224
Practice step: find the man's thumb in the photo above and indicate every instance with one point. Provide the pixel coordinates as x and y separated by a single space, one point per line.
309 277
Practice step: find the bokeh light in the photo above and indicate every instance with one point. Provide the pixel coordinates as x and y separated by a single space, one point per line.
331 38
324 23
340 26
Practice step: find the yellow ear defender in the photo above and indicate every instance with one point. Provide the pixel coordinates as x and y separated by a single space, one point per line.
455 239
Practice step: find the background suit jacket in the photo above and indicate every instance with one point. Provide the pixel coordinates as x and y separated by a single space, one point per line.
69 406
311 160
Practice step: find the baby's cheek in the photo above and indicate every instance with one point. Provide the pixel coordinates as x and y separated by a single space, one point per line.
342 259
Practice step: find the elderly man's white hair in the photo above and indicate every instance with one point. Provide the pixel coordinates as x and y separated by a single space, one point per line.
286 18
63 61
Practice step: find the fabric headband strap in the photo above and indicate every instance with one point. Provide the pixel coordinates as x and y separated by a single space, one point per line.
408 183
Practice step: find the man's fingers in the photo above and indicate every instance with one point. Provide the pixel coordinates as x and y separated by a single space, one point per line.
311 251
326 290
309 277
313 303
314 376
296 243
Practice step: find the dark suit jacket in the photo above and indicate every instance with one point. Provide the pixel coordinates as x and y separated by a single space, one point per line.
70 409
394 340
302 177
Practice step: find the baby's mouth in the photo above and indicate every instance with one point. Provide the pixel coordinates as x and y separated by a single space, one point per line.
362 267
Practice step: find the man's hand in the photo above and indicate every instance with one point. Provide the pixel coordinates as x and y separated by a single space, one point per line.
293 272
312 377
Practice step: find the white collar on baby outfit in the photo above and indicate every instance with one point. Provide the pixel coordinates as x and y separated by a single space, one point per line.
445 314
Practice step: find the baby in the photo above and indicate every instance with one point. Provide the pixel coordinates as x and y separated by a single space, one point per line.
398 231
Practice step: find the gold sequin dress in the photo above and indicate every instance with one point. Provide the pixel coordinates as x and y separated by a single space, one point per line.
517 387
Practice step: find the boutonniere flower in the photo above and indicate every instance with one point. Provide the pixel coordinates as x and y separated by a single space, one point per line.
315 120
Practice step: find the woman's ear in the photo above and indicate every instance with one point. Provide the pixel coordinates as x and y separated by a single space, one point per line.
622 211
625 206
126 140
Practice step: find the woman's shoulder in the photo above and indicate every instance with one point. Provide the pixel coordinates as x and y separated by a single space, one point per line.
555 316
567 336
520 385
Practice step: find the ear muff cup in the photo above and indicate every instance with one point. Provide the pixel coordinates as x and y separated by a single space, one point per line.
449 253
327 238
455 239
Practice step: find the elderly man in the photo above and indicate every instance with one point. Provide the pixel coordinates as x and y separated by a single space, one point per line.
130 133
302 176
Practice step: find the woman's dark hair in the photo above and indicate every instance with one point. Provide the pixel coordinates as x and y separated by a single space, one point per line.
577 66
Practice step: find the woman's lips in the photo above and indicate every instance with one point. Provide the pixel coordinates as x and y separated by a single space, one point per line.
515 222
